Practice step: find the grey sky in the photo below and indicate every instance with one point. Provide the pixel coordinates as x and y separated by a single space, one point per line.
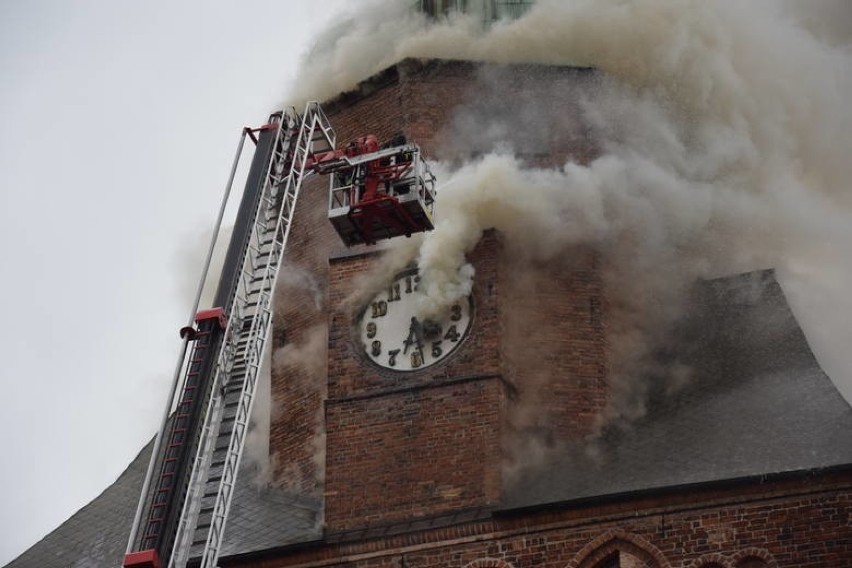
120 120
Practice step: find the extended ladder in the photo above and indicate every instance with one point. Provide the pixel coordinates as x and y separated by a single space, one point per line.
218 387
213 479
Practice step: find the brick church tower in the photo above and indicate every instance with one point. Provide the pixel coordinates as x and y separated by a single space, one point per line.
403 443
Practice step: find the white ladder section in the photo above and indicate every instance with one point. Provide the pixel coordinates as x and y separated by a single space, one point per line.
212 483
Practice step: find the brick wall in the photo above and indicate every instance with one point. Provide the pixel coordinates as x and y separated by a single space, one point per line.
799 523
410 453
299 371
420 443
553 321
398 447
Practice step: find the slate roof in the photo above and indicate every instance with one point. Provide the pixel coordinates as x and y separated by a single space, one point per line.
261 519
96 535
758 403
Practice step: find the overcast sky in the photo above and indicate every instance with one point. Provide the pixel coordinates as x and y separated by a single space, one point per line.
119 124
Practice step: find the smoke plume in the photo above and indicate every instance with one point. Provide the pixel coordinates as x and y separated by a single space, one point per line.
723 136
300 360
722 147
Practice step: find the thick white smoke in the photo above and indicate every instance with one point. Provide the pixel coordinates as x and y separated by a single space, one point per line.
724 128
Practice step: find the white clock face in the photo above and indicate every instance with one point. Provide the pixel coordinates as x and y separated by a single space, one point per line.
393 335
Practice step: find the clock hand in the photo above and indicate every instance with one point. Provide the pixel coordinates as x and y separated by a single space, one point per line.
418 334
411 333
420 348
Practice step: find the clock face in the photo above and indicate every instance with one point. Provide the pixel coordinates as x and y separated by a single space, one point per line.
393 336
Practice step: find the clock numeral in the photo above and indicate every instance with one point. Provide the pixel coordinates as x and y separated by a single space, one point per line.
452 334
416 359
408 284
393 293
436 349
371 330
455 312
380 309
416 283
392 357
376 348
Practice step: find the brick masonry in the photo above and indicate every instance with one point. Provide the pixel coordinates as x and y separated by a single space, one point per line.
411 467
786 523
415 444
553 331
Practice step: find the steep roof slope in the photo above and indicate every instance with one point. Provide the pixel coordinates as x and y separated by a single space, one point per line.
756 403
96 535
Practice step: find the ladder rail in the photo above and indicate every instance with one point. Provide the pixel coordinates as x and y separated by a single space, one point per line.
261 319
201 462
215 405
246 334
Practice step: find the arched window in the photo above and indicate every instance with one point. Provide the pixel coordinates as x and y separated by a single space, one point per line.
611 561
619 549
753 558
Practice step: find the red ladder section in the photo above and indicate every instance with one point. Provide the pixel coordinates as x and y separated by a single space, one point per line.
209 322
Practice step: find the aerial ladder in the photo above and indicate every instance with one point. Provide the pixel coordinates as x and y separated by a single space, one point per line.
375 192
